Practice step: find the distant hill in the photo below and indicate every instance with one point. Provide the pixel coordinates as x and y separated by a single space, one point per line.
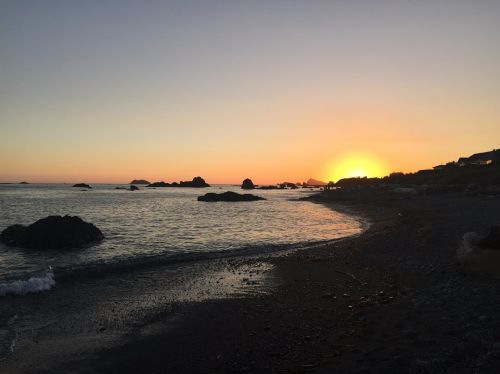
315 182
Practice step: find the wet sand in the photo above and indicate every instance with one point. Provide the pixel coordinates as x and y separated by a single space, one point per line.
389 300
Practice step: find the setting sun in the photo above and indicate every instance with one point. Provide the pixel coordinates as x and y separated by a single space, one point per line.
355 165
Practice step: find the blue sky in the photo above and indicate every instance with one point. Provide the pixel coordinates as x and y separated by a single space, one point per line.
230 89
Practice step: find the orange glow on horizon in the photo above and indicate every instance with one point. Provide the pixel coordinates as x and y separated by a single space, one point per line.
355 165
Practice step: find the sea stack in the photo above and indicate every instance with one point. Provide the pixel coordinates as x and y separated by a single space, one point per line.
247 184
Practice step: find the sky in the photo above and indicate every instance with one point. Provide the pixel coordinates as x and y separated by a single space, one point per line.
109 91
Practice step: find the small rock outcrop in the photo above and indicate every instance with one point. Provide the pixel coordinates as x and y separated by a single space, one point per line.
228 196
53 232
287 185
82 185
270 187
197 182
140 181
133 188
247 184
158 184
480 256
23 183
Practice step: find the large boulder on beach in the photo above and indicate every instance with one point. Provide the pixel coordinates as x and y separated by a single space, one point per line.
82 185
247 184
133 188
228 196
53 232
492 240
480 256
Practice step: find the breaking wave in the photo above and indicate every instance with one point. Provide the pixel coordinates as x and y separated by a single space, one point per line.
32 285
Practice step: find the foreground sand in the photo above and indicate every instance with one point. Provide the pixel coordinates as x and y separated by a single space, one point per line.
389 300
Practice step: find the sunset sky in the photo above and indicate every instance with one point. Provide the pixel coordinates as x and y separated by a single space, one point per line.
108 91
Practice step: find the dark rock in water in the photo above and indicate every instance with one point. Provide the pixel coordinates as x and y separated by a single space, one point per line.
197 182
82 185
228 196
23 183
131 188
53 232
492 240
159 184
140 181
247 184
271 187
286 185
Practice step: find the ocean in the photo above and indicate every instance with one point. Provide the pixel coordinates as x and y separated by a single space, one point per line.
163 249
151 227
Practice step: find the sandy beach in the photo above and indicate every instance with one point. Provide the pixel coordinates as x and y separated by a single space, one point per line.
388 300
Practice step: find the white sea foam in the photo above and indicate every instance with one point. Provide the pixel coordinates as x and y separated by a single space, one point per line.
32 285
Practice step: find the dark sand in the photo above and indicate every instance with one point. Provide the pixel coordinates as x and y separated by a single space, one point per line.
388 301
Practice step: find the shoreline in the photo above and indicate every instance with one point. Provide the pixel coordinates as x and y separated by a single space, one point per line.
388 300
82 315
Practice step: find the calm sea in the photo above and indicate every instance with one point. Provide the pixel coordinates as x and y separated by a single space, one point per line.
155 226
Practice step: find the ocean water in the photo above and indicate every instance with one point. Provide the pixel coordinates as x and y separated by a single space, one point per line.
149 227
